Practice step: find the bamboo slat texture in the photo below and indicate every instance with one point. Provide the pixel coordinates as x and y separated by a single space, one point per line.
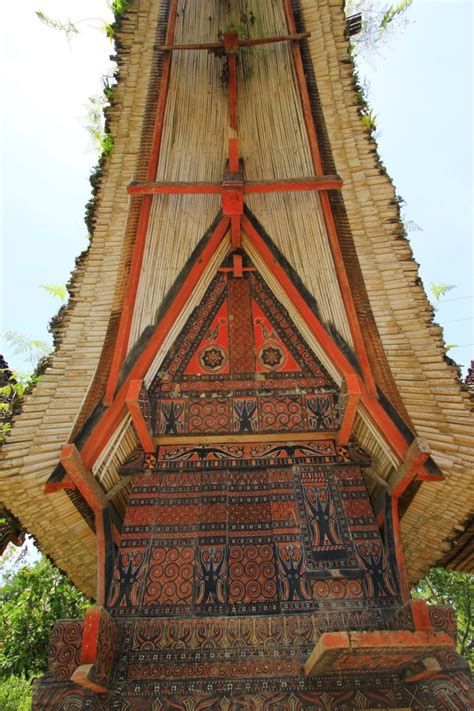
273 145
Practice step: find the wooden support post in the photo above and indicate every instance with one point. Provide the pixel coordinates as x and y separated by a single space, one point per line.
92 492
123 335
234 166
231 46
235 231
133 404
415 457
348 403
237 263
399 555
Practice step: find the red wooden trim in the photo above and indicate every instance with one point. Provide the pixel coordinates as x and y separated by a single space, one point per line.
237 261
112 418
242 43
123 335
235 231
318 183
423 475
352 393
399 555
83 480
90 636
415 457
343 279
51 487
231 44
178 188
163 96
234 155
322 182
132 401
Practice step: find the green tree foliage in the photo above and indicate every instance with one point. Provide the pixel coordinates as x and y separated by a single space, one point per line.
15 694
447 587
30 602
13 387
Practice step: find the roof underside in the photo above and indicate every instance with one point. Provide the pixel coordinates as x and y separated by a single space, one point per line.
404 346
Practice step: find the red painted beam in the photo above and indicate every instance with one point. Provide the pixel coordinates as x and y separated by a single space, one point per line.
178 188
123 335
343 279
114 415
231 44
318 183
235 231
415 457
241 43
133 405
234 155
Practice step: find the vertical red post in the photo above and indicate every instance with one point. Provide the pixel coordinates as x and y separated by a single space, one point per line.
342 276
123 335
231 45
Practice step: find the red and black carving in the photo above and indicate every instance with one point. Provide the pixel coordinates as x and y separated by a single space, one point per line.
251 372
65 648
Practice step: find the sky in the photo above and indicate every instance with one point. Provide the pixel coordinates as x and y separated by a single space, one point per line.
420 89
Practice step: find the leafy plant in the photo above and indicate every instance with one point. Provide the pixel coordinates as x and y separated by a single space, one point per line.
440 289
30 602
369 119
57 290
13 388
394 11
67 27
15 694
379 22
95 125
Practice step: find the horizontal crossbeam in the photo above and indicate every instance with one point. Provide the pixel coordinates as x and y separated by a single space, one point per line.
322 182
241 43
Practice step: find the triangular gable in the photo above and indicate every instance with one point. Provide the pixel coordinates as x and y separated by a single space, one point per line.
272 272
251 371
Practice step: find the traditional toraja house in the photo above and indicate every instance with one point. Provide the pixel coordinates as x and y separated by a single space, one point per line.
250 440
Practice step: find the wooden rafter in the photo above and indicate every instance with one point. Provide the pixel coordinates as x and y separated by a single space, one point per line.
132 401
348 403
114 415
123 335
240 43
308 184
338 258
90 489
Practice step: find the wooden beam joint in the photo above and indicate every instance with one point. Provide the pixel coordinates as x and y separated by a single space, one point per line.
416 456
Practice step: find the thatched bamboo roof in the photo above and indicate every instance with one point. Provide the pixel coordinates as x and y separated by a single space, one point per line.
405 348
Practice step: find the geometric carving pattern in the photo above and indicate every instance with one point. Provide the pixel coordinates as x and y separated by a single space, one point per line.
251 372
